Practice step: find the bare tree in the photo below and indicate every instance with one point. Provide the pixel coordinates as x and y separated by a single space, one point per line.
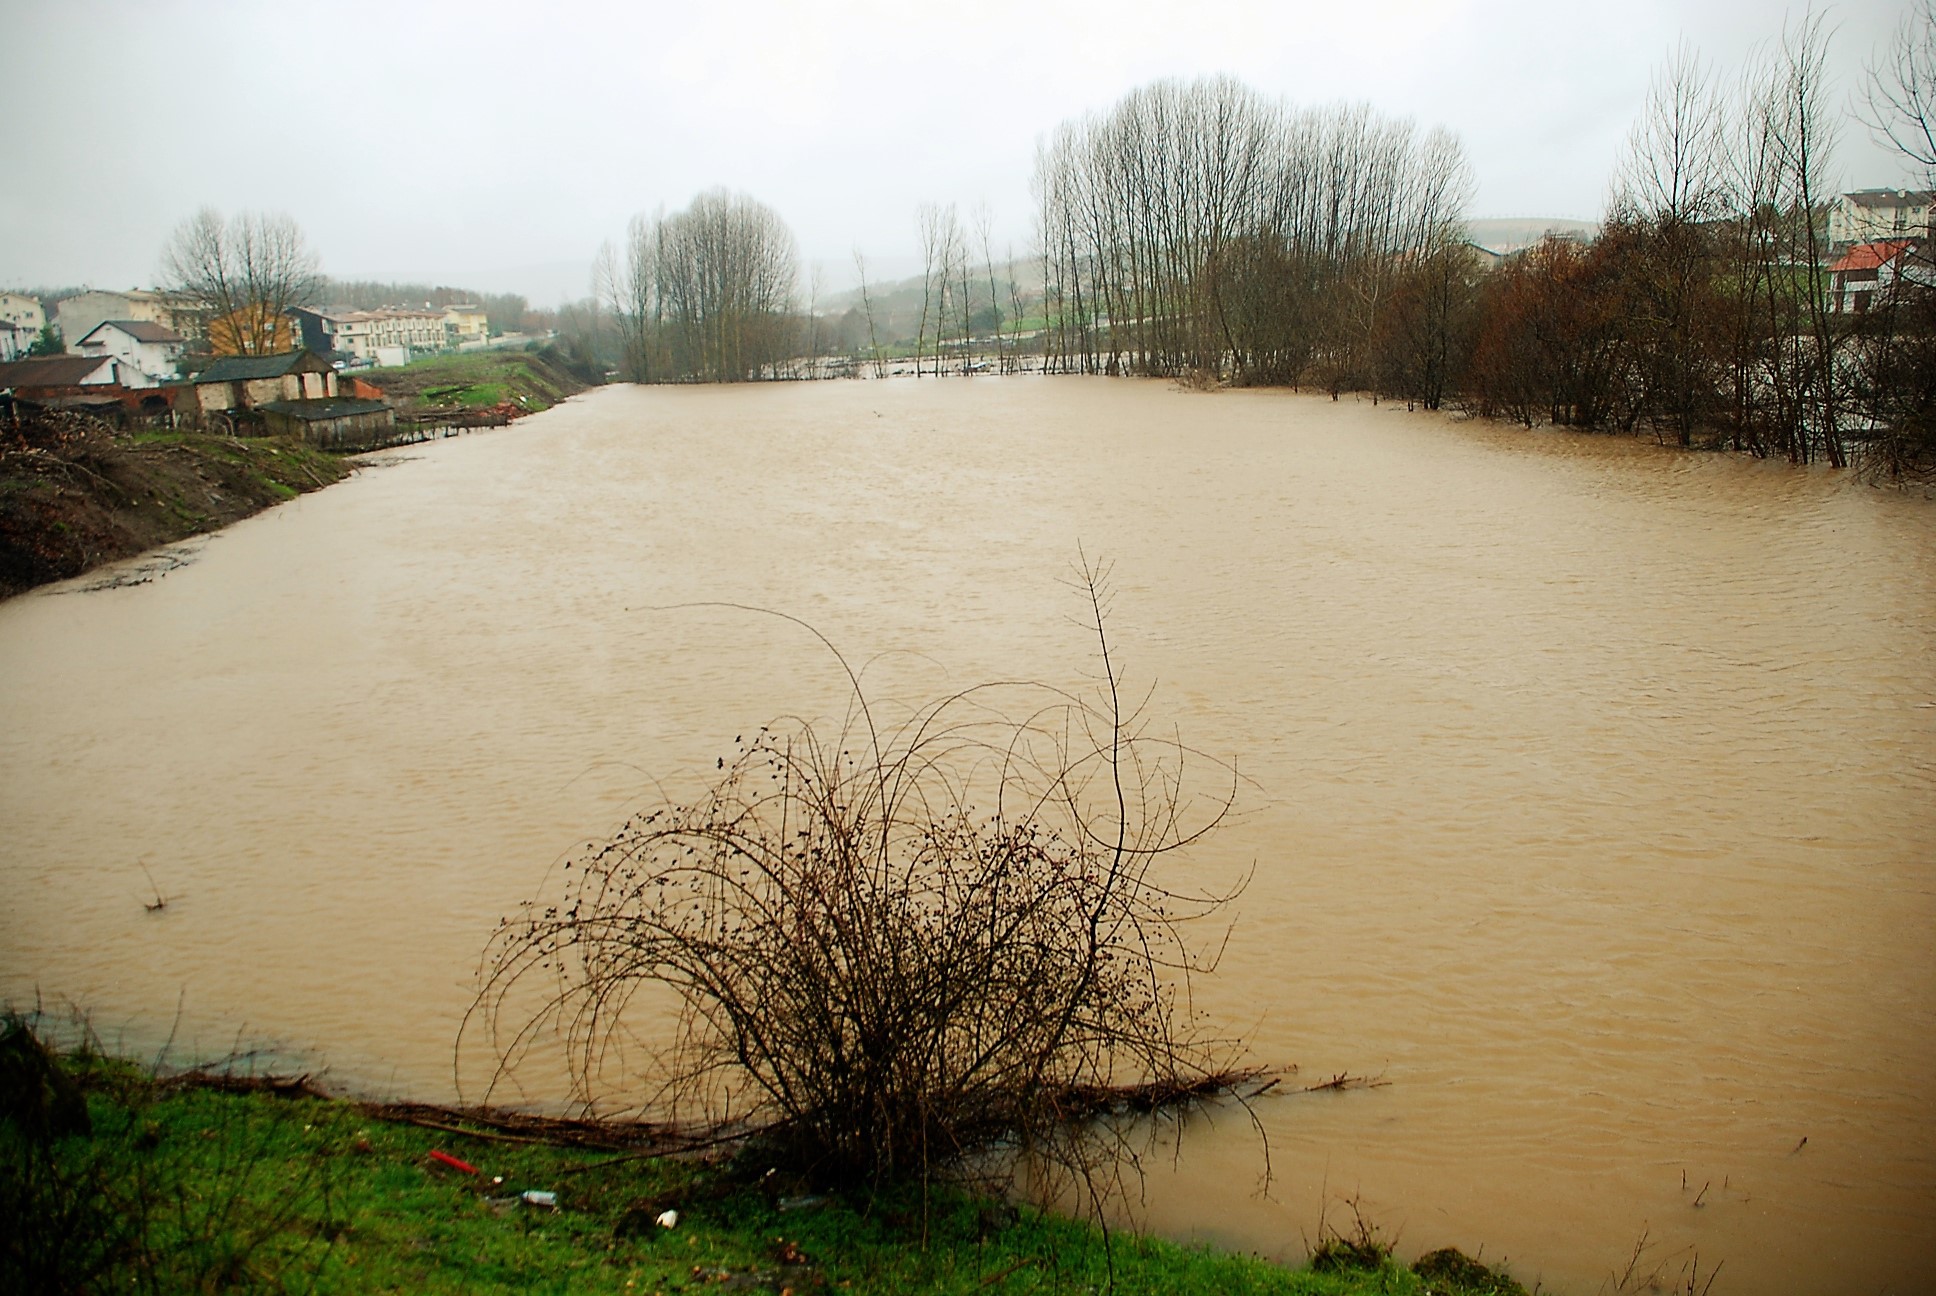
927 218
608 290
1899 101
983 220
706 293
1673 167
1802 136
248 270
1669 190
628 287
1017 312
867 305
724 287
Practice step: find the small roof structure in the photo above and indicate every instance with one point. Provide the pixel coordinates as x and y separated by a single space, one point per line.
139 330
334 407
1871 256
245 368
52 371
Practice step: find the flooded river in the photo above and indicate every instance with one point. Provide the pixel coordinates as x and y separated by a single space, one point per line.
1594 804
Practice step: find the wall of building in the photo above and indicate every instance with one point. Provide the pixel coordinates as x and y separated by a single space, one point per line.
260 391
22 311
1850 221
226 335
208 398
79 316
351 432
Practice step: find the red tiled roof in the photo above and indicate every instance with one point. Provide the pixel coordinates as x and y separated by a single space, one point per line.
1871 256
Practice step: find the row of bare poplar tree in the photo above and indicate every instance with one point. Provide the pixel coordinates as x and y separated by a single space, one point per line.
705 293
1201 229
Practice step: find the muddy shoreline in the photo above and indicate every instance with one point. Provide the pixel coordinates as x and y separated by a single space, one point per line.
75 496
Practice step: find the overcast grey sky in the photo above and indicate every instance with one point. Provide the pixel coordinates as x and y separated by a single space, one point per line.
496 145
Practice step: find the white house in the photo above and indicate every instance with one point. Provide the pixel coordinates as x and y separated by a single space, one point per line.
15 341
1871 214
149 354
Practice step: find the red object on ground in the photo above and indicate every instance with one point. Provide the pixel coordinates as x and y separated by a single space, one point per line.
452 1161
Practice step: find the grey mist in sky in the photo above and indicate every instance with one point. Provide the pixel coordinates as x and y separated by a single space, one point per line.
497 145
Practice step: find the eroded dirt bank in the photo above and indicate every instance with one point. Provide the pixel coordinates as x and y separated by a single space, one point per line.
75 494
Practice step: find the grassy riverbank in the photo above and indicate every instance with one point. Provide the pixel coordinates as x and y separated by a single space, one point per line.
75 494
529 380
184 1186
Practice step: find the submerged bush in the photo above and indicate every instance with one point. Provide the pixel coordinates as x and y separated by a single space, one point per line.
897 948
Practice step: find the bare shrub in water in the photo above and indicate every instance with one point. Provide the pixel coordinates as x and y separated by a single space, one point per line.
898 950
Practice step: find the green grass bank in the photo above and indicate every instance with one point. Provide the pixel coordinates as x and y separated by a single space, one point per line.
184 1186
530 381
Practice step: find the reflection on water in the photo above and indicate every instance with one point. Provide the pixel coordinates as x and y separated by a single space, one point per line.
1596 792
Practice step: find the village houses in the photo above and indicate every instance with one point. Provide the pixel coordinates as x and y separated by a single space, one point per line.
149 354
78 383
390 334
77 316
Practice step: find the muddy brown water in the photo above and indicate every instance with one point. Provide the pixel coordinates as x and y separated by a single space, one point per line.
1595 801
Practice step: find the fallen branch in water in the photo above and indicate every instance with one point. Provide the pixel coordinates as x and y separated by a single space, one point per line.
1080 1102
277 1086
636 1140
1345 1080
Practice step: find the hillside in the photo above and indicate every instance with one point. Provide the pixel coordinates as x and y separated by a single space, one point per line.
526 381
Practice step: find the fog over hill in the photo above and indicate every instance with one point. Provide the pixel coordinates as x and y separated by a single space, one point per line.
1511 233
554 283
901 294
